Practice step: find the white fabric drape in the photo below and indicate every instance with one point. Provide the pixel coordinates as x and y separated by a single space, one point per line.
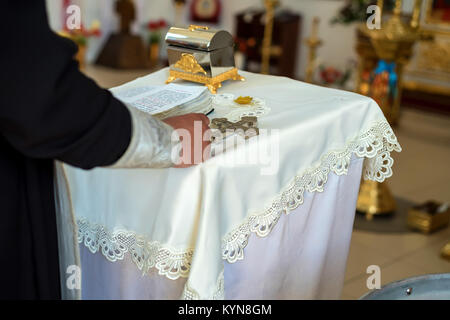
184 223
303 258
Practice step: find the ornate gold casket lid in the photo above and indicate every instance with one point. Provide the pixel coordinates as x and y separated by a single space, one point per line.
199 38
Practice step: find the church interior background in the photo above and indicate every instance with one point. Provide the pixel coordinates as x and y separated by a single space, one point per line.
322 42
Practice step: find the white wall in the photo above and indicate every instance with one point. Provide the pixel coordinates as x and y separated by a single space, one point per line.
54 9
338 40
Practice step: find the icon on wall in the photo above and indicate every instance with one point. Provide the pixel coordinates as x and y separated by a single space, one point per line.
206 11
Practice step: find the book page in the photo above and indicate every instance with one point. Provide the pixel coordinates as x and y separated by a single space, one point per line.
157 99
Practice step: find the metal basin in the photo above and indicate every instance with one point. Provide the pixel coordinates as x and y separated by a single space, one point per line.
426 287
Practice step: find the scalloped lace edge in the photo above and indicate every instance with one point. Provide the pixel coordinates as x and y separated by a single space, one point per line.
190 294
146 254
375 145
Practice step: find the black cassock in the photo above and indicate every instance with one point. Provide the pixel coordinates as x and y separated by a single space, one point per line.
48 110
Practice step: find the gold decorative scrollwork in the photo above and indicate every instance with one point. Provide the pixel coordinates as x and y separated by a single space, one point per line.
188 63
435 56
194 27
212 83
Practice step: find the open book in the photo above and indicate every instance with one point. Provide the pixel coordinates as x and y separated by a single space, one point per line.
167 100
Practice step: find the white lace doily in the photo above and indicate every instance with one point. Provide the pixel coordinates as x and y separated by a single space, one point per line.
225 107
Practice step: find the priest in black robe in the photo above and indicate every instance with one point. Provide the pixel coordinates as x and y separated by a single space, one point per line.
50 111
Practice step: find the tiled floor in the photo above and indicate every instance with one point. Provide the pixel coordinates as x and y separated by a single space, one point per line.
421 172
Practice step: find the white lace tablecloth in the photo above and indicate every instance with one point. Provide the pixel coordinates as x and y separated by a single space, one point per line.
187 224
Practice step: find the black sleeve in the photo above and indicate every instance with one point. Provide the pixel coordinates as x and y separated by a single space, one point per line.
48 108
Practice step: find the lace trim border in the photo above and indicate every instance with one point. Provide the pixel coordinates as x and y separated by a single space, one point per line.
190 294
375 146
145 254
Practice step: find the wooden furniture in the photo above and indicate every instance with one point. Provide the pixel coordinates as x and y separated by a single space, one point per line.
285 40
124 50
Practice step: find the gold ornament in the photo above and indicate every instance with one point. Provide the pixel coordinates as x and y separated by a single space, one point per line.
313 43
201 55
267 49
374 199
244 100
445 252
212 83
393 42
188 63
429 216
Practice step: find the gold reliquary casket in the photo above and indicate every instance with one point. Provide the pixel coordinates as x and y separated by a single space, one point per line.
201 55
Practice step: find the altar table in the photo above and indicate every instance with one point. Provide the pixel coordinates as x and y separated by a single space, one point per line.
277 229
